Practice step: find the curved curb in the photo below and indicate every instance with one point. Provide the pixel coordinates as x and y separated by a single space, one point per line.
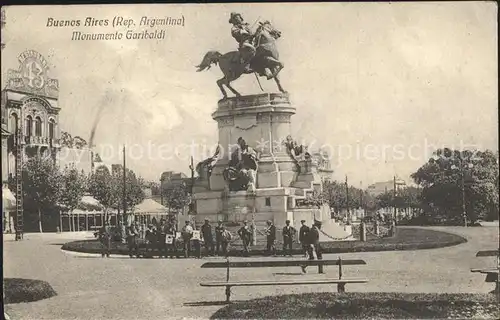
328 247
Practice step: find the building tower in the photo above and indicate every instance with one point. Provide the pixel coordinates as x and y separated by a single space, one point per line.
30 103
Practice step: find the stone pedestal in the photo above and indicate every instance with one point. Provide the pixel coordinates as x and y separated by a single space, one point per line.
263 121
256 118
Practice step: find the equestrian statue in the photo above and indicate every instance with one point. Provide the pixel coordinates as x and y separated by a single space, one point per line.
257 53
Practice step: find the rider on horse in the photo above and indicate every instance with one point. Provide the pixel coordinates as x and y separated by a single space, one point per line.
242 33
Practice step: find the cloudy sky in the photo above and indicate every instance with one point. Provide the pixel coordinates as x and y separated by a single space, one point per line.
378 84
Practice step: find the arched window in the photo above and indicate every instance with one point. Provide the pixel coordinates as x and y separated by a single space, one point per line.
38 127
29 126
13 123
52 128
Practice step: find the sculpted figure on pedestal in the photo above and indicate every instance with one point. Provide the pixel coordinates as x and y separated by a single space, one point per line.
296 151
242 170
204 168
257 53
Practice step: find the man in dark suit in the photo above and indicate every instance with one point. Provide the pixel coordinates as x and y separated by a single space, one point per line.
162 235
288 234
271 238
132 235
151 239
206 233
303 236
218 236
245 236
314 244
105 236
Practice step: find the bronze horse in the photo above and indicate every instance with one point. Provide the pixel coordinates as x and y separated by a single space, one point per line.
266 56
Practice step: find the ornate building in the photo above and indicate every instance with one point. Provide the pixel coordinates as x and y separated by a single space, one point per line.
30 99
30 119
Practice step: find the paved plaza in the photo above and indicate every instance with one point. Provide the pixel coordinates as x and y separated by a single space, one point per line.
90 287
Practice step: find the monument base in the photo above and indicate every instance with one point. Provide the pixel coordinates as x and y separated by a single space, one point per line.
263 121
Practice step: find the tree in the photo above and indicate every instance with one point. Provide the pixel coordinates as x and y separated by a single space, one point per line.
42 185
335 194
74 184
410 198
176 196
131 191
441 179
103 187
384 200
155 188
134 193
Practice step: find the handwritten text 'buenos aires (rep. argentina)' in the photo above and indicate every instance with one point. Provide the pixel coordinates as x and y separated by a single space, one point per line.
126 28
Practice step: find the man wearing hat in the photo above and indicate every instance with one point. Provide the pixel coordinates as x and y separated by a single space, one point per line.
162 235
218 236
171 245
246 236
105 237
225 239
132 234
303 236
244 36
314 245
271 238
151 239
288 234
206 233
187 234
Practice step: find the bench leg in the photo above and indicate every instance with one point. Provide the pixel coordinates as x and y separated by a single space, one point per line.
497 288
228 294
341 288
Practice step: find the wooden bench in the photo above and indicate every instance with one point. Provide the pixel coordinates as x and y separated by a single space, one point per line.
340 281
491 272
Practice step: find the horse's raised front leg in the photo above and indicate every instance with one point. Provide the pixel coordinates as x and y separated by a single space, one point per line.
276 65
277 79
220 82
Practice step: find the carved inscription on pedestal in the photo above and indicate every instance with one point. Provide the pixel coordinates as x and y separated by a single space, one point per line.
225 122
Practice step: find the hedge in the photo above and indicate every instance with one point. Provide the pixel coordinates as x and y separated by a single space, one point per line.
17 290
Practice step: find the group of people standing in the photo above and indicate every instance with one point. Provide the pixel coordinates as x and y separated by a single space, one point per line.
167 241
308 238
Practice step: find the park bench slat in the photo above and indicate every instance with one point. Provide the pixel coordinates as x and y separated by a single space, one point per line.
341 283
280 282
487 253
280 263
487 270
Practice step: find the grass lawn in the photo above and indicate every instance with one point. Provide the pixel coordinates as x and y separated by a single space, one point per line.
365 306
18 290
405 239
